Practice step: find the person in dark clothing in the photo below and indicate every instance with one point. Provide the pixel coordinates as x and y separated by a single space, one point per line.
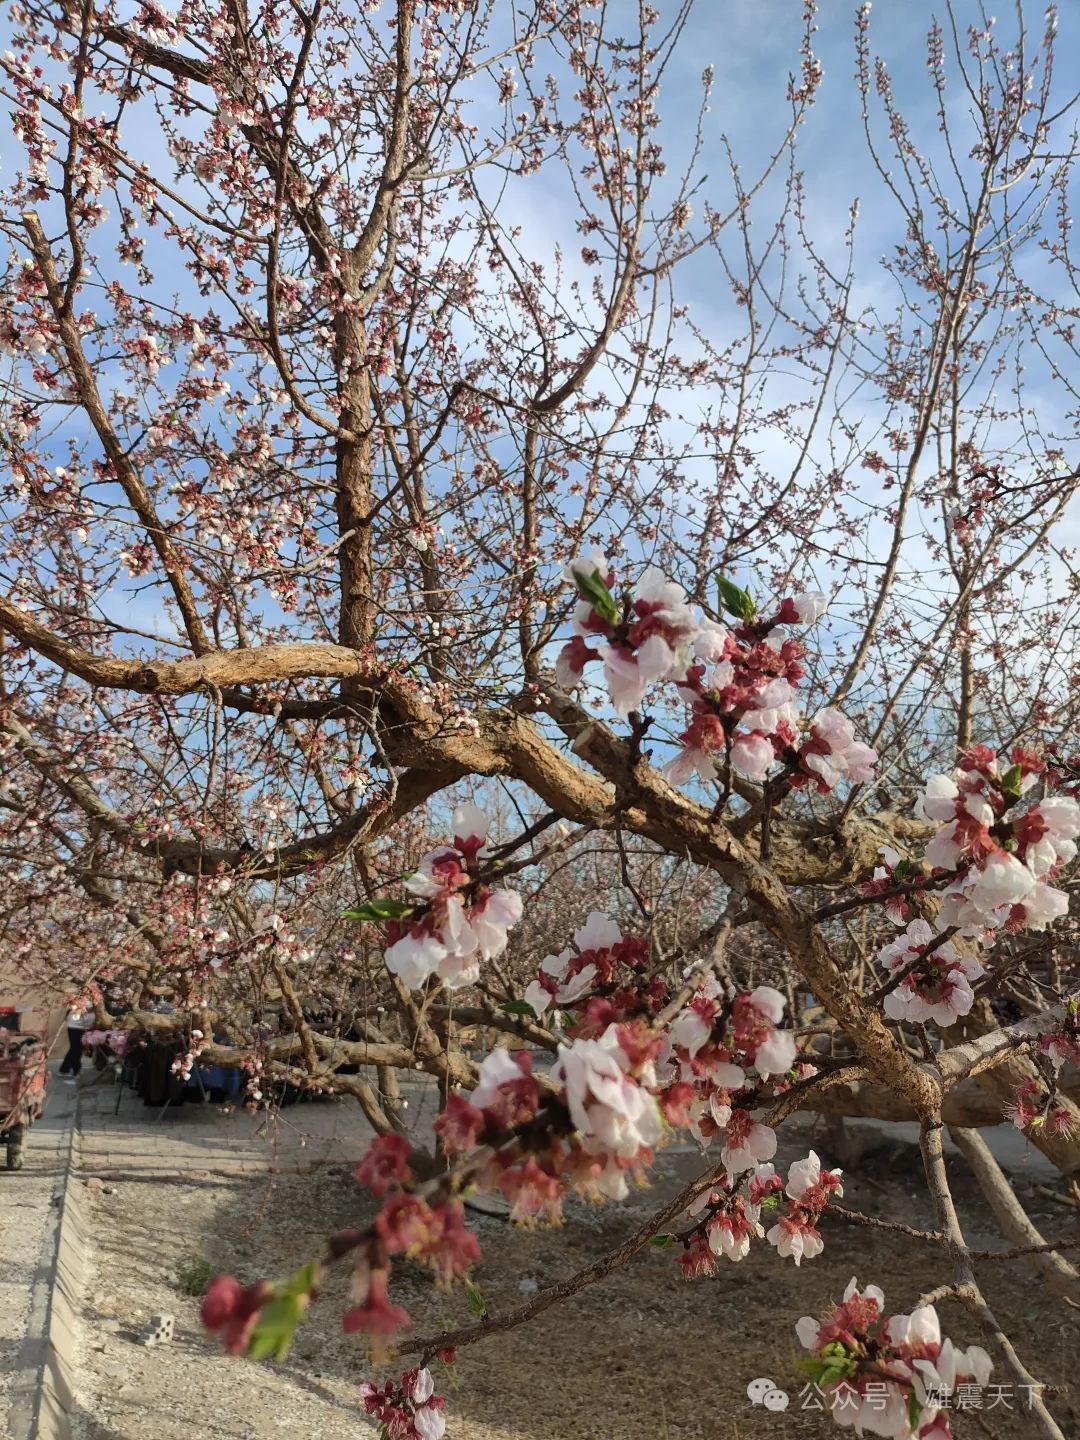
77 1024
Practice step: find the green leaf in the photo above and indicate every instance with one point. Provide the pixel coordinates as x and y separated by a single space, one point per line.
901 870
734 600
276 1327
516 1007
381 909
914 1411
1010 781
477 1303
662 1242
831 1366
274 1333
594 589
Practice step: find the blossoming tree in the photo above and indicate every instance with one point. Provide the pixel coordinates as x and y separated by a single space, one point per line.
342 495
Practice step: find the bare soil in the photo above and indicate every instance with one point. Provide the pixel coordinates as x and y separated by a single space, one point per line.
640 1356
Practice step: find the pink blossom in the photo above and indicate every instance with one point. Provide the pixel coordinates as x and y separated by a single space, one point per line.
612 1113
711 641
422 1387
805 1177
429 1423
729 1232
469 826
938 800
491 916
416 956
691 1029
985 896
1043 905
1048 833
746 1143
752 756
571 661
795 1236
595 563
832 753
497 1069
805 609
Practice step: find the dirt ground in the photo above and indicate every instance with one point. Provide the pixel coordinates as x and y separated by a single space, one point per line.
640 1356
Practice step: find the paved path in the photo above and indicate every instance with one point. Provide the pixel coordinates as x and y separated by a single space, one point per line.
29 1215
203 1141
1008 1146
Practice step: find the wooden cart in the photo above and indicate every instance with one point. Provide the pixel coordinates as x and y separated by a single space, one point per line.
23 1081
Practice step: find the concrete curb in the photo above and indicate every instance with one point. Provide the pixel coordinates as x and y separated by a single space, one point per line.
55 1313
65 1303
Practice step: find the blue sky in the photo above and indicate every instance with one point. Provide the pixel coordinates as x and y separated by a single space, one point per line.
753 45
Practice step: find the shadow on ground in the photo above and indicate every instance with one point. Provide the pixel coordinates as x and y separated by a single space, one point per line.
641 1356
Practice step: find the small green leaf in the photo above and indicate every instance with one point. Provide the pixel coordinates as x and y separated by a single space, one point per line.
901 870
662 1242
734 600
381 909
516 1007
1010 781
831 1366
593 588
914 1411
276 1327
273 1335
477 1303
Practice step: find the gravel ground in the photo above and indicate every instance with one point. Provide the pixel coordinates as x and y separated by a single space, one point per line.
144 1235
642 1356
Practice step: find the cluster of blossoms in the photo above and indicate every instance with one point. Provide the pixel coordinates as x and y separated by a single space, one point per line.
408 1410
705 1069
731 1215
742 710
184 1064
809 1189
991 860
936 983
890 1376
1034 1107
456 920
715 1046
1062 1046
623 1080
643 642
1003 855
592 963
594 1122
427 1230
